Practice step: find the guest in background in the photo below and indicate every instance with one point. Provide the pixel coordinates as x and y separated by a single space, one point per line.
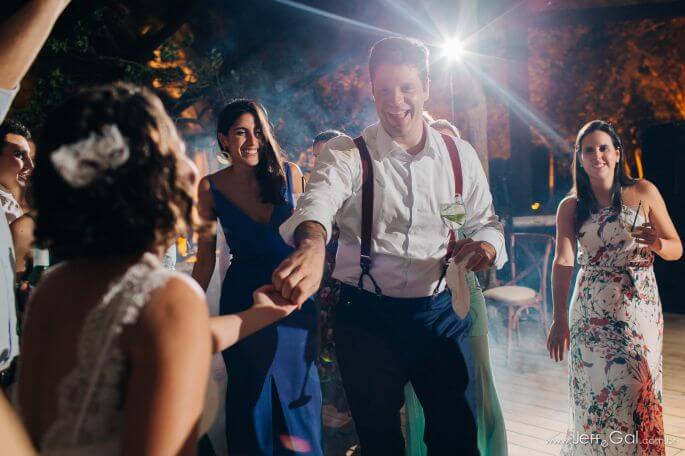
15 167
22 36
336 411
615 331
322 138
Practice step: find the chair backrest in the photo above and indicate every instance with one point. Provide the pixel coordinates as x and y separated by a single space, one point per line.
529 258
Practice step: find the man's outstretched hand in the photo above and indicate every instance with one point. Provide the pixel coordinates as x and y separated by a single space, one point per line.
299 276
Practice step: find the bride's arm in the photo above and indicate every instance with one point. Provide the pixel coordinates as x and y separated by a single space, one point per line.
268 307
13 435
169 348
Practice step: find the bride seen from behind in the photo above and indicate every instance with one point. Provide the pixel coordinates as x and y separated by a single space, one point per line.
116 349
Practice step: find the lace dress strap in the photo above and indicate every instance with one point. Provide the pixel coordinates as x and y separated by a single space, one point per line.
90 397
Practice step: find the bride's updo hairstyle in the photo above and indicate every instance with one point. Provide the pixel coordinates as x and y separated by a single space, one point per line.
107 180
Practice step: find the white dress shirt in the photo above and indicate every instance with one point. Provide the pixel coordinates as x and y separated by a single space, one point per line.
6 97
409 239
9 341
11 208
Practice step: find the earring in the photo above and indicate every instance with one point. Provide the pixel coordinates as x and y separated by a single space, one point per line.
224 157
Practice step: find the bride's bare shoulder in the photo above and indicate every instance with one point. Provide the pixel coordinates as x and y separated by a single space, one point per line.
177 308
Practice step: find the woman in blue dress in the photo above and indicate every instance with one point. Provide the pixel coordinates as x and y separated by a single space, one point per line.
273 400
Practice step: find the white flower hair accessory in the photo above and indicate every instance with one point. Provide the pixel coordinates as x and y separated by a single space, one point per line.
82 162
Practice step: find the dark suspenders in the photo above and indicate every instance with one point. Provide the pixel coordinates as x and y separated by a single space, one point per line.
367 208
367 215
458 190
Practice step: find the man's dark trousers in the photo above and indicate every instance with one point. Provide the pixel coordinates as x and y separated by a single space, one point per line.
381 343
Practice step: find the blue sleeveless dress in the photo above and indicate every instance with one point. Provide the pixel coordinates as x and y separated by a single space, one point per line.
273 400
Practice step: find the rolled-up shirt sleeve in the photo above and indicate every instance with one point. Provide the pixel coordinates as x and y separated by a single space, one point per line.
482 224
6 98
330 185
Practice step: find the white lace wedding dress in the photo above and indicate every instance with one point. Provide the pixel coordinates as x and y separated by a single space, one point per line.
91 397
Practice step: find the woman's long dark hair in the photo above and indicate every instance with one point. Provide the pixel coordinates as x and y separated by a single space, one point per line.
269 171
586 201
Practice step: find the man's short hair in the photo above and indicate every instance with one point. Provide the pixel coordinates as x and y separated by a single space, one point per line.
326 135
444 124
13 127
400 51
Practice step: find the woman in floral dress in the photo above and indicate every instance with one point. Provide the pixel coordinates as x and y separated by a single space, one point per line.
614 333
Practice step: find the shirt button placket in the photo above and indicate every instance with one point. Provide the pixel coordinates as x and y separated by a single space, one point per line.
412 217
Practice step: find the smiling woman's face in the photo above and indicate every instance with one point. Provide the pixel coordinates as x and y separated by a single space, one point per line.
598 155
243 141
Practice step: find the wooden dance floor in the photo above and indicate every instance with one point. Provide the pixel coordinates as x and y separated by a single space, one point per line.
534 390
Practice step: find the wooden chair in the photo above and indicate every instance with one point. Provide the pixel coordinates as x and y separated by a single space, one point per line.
532 250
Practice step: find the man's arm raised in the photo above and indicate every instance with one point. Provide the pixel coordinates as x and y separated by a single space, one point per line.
22 36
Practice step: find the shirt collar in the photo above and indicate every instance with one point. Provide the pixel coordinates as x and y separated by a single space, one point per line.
386 145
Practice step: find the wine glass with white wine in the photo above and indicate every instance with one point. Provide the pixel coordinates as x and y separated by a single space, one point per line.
453 214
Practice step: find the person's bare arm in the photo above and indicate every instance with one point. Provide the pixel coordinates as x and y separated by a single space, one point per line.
13 435
22 236
268 307
206 245
169 348
562 271
659 234
297 178
23 35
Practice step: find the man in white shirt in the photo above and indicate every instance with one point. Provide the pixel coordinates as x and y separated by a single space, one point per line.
16 166
394 322
21 38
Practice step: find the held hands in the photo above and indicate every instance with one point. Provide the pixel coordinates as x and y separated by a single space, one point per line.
299 276
558 339
483 254
647 235
268 298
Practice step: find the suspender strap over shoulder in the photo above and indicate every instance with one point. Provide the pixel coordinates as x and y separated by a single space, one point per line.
367 207
456 163
458 180
367 213
458 190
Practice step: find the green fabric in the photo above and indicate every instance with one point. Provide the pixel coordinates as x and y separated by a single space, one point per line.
492 436
478 311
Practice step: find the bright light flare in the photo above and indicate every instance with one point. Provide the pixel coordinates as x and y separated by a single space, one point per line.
453 50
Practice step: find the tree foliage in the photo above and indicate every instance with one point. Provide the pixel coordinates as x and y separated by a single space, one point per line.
629 73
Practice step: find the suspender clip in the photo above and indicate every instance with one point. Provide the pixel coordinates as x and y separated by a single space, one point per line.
365 264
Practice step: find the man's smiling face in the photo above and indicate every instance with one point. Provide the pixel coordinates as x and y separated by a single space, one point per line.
399 95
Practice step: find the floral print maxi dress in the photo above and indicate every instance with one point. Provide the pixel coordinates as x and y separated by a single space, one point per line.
615 360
